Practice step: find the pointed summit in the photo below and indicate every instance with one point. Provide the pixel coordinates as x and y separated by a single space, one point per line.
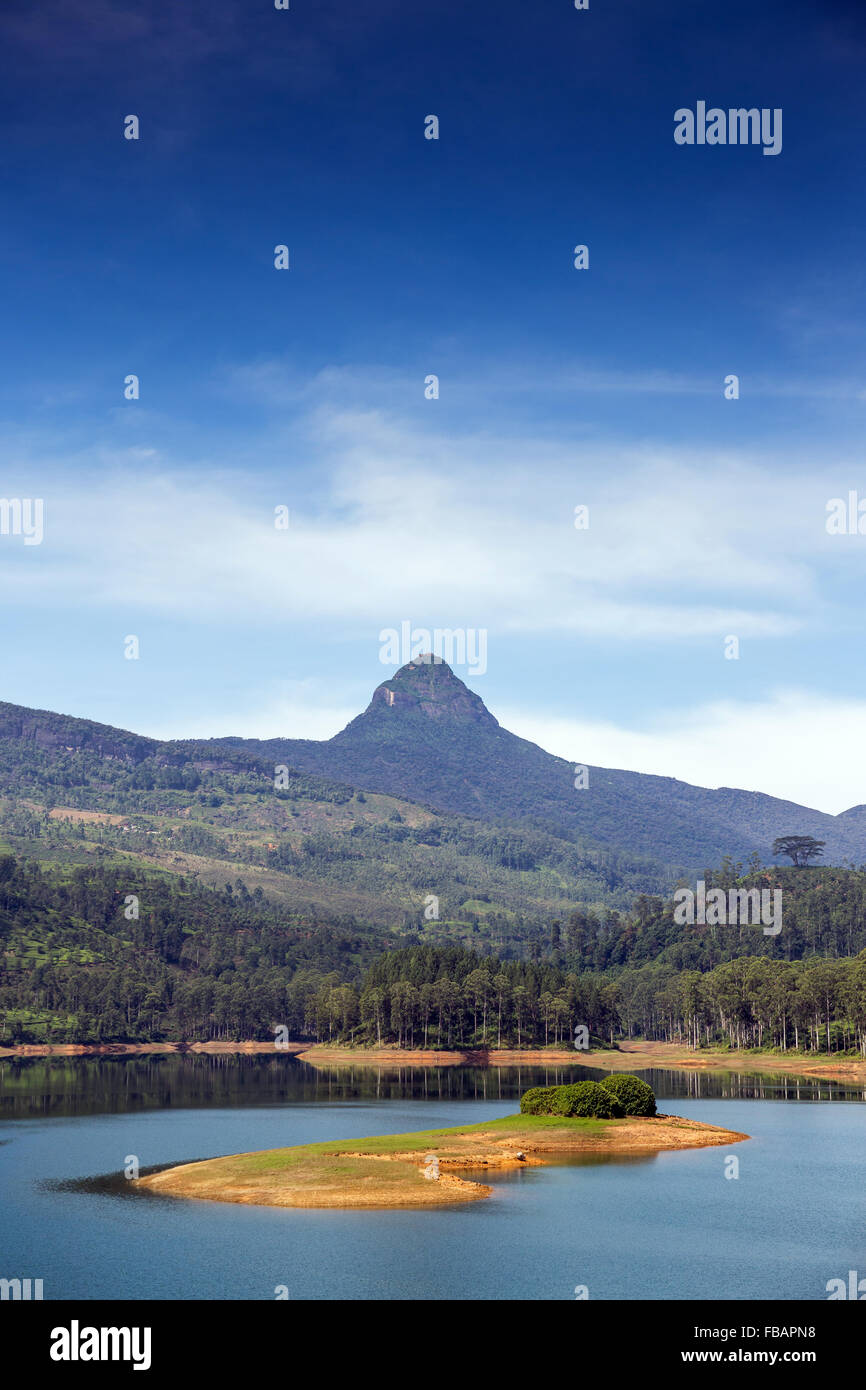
426 688
425 729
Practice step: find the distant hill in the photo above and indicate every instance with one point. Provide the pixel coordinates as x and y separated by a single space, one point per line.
72 792
427 739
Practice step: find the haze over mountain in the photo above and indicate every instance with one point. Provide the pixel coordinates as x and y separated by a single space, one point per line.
426 738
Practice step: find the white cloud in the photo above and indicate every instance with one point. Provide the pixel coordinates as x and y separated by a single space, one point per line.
472 531
794 744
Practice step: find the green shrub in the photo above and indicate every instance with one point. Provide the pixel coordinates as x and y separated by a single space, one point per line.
585 1098
537 1101
588 1099
634 1095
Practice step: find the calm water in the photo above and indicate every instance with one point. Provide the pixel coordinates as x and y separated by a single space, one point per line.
666 1227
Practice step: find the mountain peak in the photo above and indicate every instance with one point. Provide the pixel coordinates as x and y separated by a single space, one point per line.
427 688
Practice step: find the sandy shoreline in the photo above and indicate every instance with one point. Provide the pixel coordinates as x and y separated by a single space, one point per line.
388 1171
143 1049
631 1056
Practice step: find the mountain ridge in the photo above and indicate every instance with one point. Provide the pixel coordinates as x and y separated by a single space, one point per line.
427 738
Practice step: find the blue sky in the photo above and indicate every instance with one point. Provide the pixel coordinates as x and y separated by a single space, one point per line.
557 387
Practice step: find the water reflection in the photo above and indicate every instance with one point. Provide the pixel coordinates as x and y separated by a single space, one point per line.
55 1086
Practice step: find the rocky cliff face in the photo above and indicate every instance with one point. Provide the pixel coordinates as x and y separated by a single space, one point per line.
58 733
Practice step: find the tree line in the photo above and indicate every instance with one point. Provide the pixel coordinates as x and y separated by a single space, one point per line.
424 997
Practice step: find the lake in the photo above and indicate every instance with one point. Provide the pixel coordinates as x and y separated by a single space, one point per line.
670 1226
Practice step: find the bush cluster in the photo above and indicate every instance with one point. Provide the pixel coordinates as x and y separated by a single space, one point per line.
634 1095
606 1100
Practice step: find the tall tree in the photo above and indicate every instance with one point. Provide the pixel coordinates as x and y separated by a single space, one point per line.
798 848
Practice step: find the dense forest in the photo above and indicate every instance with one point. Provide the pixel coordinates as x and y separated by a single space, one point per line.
91 954
422 996
823 913
78 964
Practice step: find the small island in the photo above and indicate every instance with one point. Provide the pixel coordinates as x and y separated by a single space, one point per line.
616 1117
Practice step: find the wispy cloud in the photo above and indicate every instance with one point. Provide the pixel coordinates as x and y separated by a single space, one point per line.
794 744
404 523
277 383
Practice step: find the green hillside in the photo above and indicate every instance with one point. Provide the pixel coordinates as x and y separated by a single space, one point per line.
273 872
425 739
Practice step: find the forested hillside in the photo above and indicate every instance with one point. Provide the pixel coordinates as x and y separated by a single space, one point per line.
823 913
429 741
198 964
193 963
427 737
70 793
270 876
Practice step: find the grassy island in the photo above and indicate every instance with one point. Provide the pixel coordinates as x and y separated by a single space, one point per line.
425 1168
